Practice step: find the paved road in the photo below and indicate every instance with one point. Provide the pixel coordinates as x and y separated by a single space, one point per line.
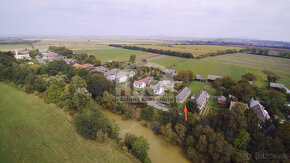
155 105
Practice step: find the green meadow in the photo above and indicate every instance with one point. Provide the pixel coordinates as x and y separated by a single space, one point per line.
33 131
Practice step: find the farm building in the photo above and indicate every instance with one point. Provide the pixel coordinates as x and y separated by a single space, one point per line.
182 95
199 78
142 83
260 110
201 98
277 85
222 100
213 77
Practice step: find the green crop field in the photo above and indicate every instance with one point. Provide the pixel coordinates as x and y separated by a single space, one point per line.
33 131
196 50
109 53
196 86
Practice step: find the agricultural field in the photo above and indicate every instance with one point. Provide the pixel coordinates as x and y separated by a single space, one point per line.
33 131
105 52
195 50
280 66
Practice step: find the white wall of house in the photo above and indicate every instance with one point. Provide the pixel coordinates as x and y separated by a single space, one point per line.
160 91
111 77
122 79
143 85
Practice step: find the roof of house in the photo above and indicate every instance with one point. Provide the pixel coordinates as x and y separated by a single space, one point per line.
121 74
169 71
277 85
111 72
199 77
100 69
200 97
262 113
161 84
213 77
183 94
222 98
145 80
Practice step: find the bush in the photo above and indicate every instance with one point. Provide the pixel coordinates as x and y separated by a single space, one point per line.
28 88
147 113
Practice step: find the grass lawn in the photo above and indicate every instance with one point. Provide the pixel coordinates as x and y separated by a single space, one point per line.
196 86
195 50
33 131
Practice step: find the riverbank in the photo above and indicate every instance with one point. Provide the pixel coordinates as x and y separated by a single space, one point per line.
159 150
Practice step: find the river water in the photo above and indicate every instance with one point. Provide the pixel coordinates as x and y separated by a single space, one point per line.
159 151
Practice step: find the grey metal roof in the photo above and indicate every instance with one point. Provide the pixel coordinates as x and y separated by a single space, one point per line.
199 77
277 85
222 98
183 94
200 97
112 72
213 77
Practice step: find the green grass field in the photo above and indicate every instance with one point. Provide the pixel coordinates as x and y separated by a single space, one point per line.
196 86
233 65
109 53
196 50
33 131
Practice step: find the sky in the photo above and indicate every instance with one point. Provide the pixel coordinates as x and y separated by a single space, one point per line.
254 19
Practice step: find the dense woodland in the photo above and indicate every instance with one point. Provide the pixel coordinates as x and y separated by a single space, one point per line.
234 135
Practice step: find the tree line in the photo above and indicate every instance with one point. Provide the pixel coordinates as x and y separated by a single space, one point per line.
73 89
174 53
265 52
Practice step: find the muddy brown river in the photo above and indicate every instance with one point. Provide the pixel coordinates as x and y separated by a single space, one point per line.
159 151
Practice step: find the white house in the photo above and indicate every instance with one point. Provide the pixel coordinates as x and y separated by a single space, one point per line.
142 83
161 86
23 54
121 77
111 75
131 74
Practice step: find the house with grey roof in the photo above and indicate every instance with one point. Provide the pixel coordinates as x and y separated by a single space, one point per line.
101 69
183 94
111 75
260 110
161 86
201 98
131 74
121 77
199 78
213 77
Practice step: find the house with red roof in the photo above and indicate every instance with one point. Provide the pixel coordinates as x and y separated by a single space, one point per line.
142 83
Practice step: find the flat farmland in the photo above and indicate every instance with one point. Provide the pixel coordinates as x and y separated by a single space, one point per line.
280 66
255 61
33 131
195 50
105 52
